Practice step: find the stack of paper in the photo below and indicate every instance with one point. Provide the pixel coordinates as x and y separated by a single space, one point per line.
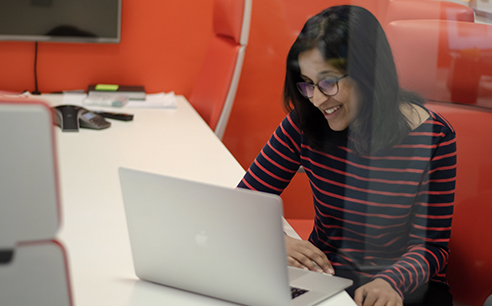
157 100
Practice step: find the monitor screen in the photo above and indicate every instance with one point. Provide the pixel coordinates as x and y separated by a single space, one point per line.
96 21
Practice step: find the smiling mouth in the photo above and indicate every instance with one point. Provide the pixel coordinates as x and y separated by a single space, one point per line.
332 110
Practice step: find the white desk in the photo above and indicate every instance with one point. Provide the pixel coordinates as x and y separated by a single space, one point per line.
173 142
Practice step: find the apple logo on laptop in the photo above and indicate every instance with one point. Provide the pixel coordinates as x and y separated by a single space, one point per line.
202 239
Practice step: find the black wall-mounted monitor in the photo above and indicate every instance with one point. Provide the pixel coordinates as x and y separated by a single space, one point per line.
95 21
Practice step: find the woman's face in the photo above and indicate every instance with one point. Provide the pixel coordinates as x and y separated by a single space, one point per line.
339 110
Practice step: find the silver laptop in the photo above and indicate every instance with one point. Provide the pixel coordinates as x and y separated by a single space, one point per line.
220 242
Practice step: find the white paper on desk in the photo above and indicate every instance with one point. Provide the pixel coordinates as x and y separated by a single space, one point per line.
157 100
74 98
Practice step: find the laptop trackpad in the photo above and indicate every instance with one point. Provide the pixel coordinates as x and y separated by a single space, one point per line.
295 273
320 286
316 281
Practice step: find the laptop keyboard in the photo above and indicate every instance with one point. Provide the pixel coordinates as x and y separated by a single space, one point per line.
295 292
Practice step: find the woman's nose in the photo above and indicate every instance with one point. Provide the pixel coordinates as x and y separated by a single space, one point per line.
318 97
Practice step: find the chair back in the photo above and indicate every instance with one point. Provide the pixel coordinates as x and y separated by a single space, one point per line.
469 270
231 18
28 182
215 89
33 267
428 9
444 60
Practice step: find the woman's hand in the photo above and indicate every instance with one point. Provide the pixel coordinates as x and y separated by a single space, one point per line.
378 293
304 255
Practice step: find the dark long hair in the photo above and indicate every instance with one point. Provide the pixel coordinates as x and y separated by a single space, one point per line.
351 39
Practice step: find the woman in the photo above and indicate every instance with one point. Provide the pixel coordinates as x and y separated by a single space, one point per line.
381 166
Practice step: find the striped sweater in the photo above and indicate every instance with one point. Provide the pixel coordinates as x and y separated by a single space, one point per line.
387 215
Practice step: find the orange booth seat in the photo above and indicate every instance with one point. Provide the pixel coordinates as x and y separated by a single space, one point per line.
428 9
444 60
215 89
470 260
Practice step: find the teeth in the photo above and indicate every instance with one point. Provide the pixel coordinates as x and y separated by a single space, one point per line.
332 110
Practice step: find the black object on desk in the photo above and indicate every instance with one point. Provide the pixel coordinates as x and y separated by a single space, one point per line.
71 117
116 116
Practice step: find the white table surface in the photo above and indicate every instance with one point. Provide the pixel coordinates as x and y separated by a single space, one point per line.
174 142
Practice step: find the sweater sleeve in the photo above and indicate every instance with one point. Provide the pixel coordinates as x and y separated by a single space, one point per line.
427 252
277 162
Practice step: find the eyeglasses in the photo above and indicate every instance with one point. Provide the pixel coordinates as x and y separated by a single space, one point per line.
328 87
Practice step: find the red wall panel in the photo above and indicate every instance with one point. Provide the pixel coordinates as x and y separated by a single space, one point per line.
162 46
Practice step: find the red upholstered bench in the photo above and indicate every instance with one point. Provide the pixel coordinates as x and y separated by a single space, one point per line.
470 260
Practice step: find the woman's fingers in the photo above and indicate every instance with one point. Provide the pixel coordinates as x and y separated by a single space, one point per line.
303 254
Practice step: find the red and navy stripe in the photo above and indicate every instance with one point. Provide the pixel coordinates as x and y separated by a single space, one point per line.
387 215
